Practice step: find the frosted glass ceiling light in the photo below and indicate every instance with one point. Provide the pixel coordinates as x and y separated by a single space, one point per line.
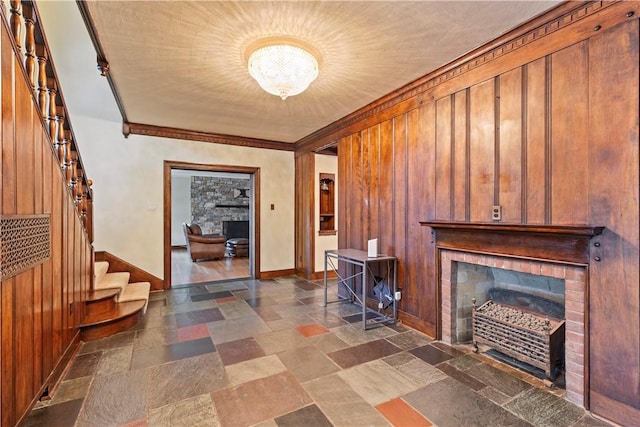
283 68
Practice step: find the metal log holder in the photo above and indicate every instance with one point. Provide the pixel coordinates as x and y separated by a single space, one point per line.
528 337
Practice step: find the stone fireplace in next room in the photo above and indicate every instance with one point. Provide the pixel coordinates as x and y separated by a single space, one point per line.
543 263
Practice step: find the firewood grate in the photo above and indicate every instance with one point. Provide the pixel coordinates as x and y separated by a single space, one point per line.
528 337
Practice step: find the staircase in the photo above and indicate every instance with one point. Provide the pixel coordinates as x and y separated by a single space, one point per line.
114 305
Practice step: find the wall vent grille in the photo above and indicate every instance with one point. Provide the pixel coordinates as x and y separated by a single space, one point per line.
25 241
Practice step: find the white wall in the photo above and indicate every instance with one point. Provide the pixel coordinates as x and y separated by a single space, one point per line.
128 191
128 173
324 164
180 208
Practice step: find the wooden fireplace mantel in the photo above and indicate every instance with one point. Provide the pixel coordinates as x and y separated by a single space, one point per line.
557 243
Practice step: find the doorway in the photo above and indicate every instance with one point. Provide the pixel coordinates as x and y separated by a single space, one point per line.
247 205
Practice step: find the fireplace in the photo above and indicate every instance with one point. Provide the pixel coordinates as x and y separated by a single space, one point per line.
550 262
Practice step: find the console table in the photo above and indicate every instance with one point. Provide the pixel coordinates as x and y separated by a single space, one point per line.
358 265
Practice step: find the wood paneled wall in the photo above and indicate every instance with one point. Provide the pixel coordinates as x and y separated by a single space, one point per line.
41 308
543 124
304 225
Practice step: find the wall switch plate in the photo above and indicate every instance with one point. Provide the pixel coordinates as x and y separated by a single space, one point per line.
398 295
496 213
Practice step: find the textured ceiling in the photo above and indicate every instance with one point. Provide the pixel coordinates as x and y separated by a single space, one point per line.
181 64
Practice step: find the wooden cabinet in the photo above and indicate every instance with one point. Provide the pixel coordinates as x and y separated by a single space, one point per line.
327 204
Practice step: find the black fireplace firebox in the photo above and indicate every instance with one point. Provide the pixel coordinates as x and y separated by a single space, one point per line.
235 229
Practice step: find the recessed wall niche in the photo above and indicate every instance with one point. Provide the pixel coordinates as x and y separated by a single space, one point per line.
218 199
327 204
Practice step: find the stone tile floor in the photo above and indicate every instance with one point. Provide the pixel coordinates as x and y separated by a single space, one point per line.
267 353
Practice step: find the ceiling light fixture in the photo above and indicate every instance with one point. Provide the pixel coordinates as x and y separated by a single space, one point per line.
282 67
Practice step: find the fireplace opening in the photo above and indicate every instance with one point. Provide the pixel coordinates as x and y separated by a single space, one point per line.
515 316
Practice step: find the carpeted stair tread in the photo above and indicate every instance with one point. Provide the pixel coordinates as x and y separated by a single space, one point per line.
113 305
100 268
113 280
135 292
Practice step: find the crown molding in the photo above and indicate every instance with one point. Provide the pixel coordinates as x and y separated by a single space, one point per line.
191 135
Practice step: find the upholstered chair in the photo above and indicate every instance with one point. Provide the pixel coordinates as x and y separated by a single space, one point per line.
203 246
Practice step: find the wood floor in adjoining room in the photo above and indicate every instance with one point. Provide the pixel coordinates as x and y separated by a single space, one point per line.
184 271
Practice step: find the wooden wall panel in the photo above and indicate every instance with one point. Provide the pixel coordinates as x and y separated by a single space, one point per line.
24 282
614 311
47 271
426 312
569 132
373 167
400 199
482 151
386 213
356 193
305 213
510 146
534 117
37 338
416 182
460 152
57 259
443 165
344 205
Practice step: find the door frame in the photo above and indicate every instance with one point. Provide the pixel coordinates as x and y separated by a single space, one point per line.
254 267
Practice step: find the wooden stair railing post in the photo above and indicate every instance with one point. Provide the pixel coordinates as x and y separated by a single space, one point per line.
30 43
63 141
66 151
53 92
62 136
81 198
16 21
67 163
41 54
73 176
89 211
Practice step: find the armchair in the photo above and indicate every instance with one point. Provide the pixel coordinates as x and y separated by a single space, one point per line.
199 246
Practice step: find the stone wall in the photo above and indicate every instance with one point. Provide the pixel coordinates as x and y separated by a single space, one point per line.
214 200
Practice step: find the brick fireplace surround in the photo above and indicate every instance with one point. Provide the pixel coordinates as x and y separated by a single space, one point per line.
560 252
574 278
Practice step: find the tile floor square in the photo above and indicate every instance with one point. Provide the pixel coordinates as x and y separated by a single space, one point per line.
193 332
285 394
199 316
240 350
312 329
309 416
430 354
399 414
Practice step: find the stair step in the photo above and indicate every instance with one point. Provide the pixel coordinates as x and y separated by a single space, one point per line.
113 280
101 294
101 300
136 292
100 268
123 316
